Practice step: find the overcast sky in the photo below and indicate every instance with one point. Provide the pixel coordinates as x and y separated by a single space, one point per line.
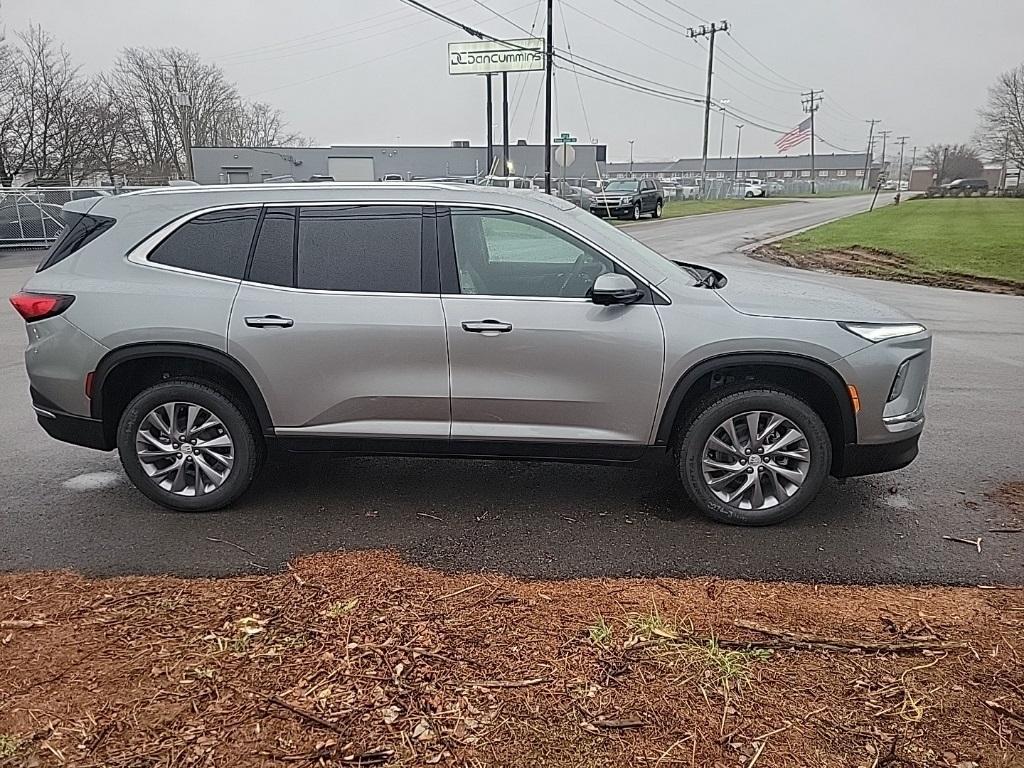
357 72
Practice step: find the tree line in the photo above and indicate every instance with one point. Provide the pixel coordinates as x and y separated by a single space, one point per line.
59 126
1000 134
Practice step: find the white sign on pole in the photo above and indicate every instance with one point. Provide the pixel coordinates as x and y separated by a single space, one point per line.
564 155
486 56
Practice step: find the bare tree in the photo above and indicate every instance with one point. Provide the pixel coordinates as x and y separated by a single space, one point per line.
1001 133
11 154
144 82
255 124
105 121
953 161
50 108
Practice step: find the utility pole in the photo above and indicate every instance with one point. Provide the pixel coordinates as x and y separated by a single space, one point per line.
709 31
490 125
630 157
721 137
736 170
902 141
184 103
811 102
1006 151
504 125
867 153
547 98
885 135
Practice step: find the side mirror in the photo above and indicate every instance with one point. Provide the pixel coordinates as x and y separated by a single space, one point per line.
613 288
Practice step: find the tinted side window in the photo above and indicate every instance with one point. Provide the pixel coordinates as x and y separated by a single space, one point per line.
273 261
79 229
216 243
373 248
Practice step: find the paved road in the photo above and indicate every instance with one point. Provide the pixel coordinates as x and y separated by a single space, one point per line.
66 507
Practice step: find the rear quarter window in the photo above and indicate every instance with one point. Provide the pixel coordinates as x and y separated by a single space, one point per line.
80 229
215 243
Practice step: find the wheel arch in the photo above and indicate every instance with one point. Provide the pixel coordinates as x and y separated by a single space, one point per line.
164 360
828 389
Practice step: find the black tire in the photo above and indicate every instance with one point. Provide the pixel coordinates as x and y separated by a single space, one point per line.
636 212
656 213
249 447
715 409
749 194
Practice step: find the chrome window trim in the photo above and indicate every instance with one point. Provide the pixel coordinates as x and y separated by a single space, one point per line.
139 255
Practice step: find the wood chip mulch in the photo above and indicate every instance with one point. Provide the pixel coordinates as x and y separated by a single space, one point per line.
363 659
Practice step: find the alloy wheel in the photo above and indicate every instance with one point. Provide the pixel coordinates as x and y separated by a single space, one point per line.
185 449
756 460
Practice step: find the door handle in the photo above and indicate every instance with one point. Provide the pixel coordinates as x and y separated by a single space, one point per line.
487 327
269 321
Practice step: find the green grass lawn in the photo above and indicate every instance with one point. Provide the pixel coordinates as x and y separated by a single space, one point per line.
675 208
976 236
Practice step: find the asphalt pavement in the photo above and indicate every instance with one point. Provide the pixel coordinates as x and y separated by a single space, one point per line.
68 507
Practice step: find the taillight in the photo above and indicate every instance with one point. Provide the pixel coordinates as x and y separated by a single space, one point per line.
39 306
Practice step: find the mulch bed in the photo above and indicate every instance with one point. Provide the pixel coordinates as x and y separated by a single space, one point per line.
861 261
364 659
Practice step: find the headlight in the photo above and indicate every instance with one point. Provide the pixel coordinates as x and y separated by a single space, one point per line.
882 331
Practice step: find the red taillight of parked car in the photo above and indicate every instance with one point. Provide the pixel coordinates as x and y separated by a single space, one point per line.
39 306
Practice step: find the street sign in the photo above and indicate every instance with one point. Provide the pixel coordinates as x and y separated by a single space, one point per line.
565 138
486 56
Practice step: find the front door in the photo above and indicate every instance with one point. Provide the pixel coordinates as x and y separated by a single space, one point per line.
532 359
341 326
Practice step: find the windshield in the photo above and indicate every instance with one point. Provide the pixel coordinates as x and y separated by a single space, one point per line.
623 185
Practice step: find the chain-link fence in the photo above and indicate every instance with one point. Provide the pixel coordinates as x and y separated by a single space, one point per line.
31 216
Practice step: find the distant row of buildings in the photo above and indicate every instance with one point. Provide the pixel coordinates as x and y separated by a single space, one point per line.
243 165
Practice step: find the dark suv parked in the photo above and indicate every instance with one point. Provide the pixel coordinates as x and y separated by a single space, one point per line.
965 187
629 199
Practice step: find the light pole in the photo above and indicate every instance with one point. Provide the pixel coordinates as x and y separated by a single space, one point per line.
631 157
721 138
736 170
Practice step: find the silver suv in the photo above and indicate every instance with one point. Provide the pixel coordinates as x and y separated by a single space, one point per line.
193 328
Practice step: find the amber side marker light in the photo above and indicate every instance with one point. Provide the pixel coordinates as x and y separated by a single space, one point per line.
854 398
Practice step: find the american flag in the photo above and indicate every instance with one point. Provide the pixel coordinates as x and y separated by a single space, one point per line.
796 136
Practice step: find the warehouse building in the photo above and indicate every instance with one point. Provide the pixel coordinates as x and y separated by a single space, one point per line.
831 169
245 165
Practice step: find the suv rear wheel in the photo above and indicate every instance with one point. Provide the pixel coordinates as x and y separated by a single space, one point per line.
657 210
753 456
188 446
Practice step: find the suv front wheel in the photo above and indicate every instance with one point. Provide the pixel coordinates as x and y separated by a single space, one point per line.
753 456
188 446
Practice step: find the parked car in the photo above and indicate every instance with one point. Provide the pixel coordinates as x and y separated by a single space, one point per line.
629 199
508 182
965 187
392 177
192 329
754 188
775 186
580 196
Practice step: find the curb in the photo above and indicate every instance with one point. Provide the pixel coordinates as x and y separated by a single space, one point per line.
625 224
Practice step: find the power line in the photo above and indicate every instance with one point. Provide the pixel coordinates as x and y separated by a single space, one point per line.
680 28
579 89
678 7
752 55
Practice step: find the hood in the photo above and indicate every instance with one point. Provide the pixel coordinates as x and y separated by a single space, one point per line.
769 294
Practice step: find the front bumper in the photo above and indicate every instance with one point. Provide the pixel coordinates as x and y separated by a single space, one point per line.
871 459
611 210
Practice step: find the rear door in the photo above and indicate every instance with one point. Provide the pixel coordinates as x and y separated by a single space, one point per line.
339 320
648 195
533 360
